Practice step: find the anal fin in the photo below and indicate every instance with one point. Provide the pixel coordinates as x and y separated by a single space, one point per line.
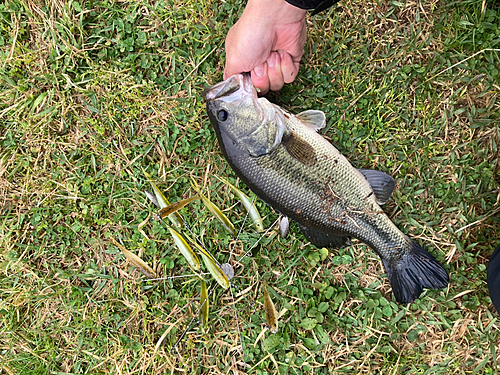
322 239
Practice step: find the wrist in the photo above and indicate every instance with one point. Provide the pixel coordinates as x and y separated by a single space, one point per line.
275 11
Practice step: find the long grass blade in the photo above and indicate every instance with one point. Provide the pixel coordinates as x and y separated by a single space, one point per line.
219 215
221 273
174 207
247 204
186 250
271 313
136 261
215 270
160 201
204 304
226 223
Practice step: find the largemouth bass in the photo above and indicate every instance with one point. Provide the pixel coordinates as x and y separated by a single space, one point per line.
291 167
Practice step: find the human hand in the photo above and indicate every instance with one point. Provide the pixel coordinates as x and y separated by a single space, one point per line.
267 41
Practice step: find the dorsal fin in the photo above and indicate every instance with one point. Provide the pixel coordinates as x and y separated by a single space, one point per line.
312 118
381 183
298 149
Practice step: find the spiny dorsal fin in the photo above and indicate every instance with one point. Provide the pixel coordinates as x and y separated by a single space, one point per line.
298 149
312 118
381 183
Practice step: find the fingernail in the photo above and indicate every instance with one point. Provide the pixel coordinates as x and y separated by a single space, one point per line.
259 70
281 54
271 62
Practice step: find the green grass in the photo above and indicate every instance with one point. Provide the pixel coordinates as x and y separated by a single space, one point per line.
91 93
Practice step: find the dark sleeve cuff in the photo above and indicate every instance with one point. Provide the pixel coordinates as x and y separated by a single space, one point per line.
316 5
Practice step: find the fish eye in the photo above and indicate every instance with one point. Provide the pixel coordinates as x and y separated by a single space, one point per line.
222 115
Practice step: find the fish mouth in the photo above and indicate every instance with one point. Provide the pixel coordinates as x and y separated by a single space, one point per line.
239 84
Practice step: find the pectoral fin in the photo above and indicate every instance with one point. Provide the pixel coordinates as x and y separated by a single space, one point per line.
299 150
381 183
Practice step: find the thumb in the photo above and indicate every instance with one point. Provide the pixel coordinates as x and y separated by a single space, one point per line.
260 78
289 68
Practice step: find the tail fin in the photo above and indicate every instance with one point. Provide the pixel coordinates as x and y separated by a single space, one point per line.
413 272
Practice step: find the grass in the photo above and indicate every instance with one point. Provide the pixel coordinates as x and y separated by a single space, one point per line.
94 92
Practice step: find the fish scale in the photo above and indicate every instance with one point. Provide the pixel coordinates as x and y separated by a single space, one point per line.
293 192
285 162
317 213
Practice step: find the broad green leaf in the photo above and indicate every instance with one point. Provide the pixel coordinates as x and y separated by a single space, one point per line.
308 323
323 307
271 342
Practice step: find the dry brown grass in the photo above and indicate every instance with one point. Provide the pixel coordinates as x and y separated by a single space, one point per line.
68 302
